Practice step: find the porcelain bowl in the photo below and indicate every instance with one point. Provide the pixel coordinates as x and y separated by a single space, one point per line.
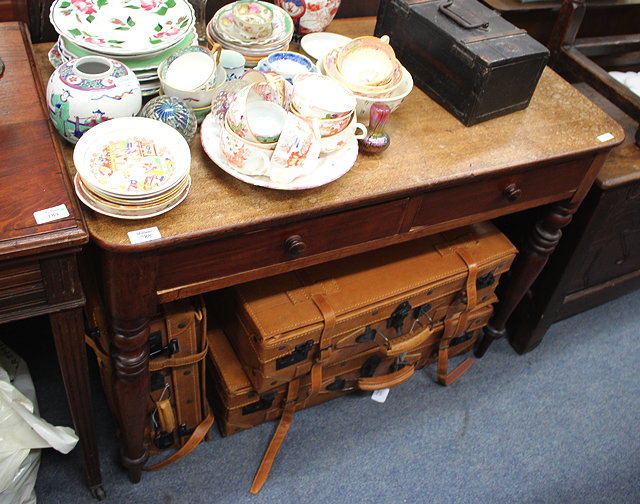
363 103
253 19
366 61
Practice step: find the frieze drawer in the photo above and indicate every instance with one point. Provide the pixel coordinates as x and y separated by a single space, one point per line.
277 245
492 197
21 288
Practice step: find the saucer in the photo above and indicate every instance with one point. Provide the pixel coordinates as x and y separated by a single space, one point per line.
318 44
329 167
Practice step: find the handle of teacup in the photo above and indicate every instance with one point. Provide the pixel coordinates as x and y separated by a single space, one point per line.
363 131
216 50
388 380
408 344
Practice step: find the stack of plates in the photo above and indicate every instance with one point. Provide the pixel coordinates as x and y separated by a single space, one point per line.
132 168
222 30
138 33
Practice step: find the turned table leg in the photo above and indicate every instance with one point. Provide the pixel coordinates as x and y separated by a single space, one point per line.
528 264
130 296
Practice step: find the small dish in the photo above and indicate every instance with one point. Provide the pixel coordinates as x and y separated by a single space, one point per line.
318 44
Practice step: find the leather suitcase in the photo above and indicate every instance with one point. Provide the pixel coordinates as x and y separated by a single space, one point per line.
293 324
178 417
238 406
464 55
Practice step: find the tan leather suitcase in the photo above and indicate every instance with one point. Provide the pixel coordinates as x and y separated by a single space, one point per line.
287 326
238 406
178 411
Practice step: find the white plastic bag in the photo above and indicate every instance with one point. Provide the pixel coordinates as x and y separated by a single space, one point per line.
22 432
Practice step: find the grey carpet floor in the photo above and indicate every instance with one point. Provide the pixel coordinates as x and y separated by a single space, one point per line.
557 425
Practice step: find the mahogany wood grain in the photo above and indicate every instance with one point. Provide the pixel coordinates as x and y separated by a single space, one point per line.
436 175
38 266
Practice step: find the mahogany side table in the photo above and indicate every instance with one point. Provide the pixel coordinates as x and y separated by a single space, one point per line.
436 175
41 232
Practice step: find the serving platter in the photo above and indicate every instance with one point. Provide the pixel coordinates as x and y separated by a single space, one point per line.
329 167
123 27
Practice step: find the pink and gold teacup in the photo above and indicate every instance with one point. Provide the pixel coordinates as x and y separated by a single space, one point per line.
328 126
332 143
247 157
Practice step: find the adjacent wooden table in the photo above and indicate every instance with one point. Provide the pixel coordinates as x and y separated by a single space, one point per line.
38 267
436 175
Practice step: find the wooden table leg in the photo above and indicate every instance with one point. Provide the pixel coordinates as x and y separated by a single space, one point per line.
130 296
526 268
68 333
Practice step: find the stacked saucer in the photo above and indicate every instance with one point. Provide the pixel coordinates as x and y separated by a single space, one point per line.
132 168
138 33
253 28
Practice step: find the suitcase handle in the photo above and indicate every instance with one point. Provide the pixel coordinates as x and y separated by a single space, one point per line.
388 380
446 10
397 347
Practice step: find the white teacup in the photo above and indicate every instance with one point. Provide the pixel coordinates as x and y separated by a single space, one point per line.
246 157
266 120
321 97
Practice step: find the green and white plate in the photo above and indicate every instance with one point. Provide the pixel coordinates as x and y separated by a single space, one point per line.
123 27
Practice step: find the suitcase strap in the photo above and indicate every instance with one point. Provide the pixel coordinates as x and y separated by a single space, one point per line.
471 290
452 327
325 345
194 440
278 437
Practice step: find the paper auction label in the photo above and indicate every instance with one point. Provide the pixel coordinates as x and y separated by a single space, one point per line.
51 214
144 235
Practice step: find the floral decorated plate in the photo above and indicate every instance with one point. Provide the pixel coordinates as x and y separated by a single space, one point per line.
149 61
132 157
123 27
329 168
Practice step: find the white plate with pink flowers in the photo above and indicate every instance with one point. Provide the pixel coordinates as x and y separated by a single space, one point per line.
329 167
123 27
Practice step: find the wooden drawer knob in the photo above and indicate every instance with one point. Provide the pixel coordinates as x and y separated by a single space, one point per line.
294 246
512 192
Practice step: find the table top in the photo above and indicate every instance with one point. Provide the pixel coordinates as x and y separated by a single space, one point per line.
429 149
33 173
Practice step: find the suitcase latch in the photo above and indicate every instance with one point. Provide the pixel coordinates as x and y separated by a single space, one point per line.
396 320
485 281
299 354
156 348
460 339
368 335
265 402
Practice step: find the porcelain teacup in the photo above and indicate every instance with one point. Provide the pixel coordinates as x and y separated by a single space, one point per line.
336 142
247 157
296 152
321 97
326 127
265 120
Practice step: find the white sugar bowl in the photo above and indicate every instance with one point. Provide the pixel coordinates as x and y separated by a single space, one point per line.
87 91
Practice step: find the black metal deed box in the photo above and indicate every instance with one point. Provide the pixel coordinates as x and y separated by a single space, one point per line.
464 55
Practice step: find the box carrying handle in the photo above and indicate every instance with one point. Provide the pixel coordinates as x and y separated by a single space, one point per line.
445 8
